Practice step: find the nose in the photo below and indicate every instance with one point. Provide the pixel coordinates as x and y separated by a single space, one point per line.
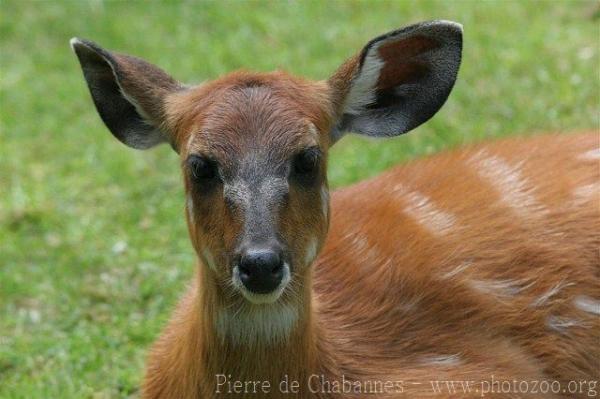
261 270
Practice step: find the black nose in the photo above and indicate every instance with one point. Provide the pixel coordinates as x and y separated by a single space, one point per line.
261 270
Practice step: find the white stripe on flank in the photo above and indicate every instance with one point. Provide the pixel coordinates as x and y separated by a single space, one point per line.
582 194
442 360
587 304
500 288
560 324
359 244
550 293
458 269
420 208
591 155
508 180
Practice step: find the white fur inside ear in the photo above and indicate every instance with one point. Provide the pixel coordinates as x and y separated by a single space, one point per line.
362 91
384 101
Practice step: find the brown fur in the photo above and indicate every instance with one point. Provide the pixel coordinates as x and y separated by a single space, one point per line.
375 305
476 265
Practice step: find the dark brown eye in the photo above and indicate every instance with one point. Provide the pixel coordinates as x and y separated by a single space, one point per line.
305 164
202 169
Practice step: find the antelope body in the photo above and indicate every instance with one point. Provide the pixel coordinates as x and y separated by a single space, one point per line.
473 265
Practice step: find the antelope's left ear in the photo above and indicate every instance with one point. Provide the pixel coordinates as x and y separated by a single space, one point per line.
398 81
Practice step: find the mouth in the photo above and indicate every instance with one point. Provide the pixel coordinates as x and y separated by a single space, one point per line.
261 298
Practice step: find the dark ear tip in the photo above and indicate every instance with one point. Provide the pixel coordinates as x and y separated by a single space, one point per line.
450 27
455 26
89 52
78 44
442 27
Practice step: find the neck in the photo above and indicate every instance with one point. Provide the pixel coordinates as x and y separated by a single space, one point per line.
248 342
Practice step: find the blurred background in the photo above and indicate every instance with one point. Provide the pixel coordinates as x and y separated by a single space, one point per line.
93 246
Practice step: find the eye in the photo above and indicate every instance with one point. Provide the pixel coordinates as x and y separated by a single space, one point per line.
306 163
202 169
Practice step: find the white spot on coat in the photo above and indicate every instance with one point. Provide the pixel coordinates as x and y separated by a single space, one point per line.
561 324
587 304
457 270
420 208
508 180
591 155
442 360
550 293
500 288
367 252
583 194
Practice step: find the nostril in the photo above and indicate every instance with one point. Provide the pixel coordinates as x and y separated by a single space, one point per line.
244 272
277 267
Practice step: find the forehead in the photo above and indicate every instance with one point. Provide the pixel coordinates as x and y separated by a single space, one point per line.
250 119
255 114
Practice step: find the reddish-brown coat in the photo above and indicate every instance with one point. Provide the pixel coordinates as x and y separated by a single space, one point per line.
383 300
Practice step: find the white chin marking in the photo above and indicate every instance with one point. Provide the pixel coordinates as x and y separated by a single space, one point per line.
259 299
262 320
252 325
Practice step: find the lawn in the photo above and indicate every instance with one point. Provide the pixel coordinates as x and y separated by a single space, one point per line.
93 247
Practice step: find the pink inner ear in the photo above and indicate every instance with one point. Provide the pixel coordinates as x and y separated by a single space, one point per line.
399 66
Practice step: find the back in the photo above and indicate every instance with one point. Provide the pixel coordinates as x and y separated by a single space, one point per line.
487 255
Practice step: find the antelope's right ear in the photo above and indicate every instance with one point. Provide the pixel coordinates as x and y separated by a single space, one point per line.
128 92
398 80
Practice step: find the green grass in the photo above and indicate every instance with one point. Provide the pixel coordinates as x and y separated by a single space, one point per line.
93 247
